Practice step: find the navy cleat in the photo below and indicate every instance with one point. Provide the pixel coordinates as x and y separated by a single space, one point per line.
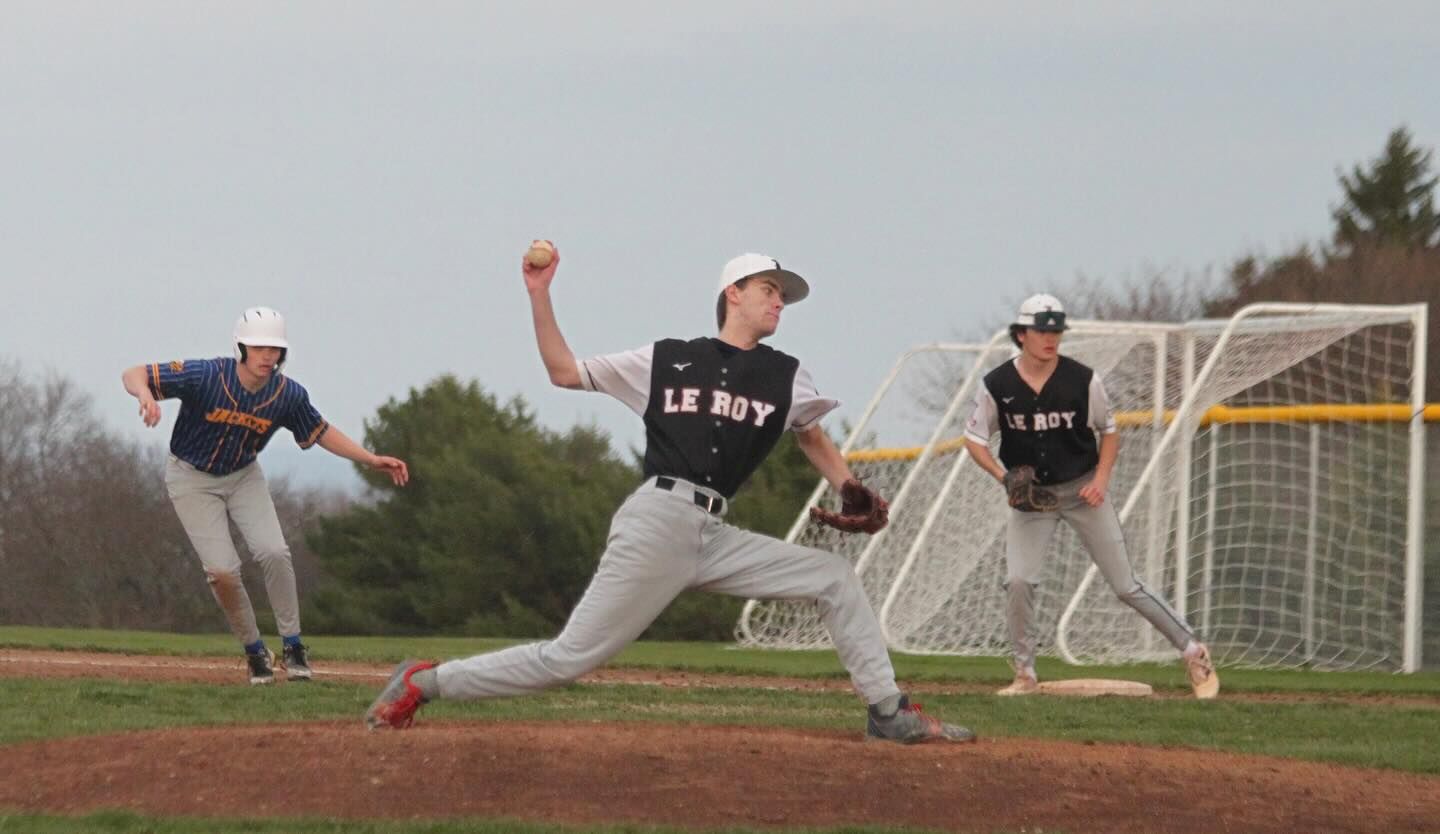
261 667
295 660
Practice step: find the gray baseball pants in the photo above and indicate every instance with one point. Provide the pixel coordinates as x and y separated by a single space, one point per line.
1028 539
206 504
660 544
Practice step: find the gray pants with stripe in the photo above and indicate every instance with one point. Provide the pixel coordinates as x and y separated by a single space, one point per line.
206 504
660 544
1027 541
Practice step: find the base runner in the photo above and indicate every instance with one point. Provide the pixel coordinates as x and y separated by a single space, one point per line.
229 410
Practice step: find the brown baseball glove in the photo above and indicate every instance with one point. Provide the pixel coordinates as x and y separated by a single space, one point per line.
1027 496
861 510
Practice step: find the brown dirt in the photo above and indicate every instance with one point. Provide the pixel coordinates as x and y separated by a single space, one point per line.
685 775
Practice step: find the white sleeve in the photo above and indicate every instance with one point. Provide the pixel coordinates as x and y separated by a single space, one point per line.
806 404
1101 419
984 420
624 376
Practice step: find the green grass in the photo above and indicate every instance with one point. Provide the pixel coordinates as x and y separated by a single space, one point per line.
1382 734
1400 738
719 658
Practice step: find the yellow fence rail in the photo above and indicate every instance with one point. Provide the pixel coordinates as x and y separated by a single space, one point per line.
1336 413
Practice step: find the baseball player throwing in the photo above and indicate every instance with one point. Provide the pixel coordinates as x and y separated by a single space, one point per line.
713 409
229 410
1047 409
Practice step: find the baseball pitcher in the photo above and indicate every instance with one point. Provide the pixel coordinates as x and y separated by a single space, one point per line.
1047 409
229 410
713 408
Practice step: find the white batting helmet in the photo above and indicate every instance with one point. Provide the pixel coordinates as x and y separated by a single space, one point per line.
260 327
1041 312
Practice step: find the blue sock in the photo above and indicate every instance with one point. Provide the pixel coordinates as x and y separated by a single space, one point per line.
292 640
258 647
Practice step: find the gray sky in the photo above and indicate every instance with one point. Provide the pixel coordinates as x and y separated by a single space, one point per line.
376 170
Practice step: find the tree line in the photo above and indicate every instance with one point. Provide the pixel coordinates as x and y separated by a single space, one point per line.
1384 248
500 528
496 534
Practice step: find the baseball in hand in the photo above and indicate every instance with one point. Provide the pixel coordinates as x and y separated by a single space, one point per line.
540 255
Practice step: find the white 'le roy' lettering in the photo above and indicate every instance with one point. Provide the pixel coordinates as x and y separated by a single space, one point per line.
1041 420
722 404
687 404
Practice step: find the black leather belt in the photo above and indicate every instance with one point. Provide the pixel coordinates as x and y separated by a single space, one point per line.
711 504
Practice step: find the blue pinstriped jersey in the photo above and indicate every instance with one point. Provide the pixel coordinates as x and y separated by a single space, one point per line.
222 426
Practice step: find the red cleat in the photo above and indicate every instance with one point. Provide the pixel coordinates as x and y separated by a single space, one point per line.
398 702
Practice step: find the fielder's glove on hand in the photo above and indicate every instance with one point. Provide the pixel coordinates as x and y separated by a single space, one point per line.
1027 496
861 510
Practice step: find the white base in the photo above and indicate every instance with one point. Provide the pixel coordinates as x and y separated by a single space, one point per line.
1096 686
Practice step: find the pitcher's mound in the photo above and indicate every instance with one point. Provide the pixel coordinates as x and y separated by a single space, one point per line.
701 777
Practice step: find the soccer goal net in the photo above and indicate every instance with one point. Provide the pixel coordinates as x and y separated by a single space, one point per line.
1268 486
895 438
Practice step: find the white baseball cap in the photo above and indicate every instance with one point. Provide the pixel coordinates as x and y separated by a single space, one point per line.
792 287
1041 312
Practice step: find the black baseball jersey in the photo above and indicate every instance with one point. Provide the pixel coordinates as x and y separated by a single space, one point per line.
712 411
1053 430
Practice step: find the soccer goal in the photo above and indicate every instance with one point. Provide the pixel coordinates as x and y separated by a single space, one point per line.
1269 485
895 437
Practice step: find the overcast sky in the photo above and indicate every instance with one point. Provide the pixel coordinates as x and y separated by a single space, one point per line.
376 170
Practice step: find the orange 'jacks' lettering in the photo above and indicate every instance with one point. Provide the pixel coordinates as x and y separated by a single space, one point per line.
239 418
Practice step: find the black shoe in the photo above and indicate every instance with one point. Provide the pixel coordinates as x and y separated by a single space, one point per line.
260 667
295 662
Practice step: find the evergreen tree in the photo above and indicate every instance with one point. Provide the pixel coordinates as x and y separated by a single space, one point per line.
497 533
1390 204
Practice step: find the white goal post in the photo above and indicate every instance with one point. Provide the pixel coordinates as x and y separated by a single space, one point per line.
1270 485
898 433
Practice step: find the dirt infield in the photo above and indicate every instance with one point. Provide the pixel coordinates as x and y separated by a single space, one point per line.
685 775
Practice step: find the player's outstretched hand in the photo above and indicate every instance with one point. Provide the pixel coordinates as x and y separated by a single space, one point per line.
150 412
539 278
394 467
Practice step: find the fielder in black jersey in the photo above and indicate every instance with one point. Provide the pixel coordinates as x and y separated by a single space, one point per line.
1047 409
713 408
